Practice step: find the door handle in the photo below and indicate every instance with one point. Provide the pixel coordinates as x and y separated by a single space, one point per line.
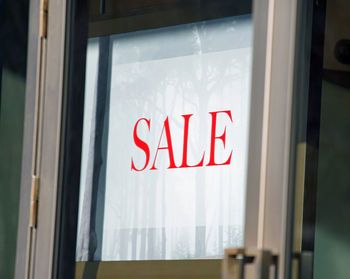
304 267
237 258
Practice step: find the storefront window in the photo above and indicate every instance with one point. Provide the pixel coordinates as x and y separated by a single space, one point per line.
164 157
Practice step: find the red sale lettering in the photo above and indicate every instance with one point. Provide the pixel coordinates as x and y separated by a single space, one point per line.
169 147
141 144
214 138
185 144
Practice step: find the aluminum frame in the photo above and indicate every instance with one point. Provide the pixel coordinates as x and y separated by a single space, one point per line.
268 214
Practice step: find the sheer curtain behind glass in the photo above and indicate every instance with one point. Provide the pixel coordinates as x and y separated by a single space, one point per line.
161 74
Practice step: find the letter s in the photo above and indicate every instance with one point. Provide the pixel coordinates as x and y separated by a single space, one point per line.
141 144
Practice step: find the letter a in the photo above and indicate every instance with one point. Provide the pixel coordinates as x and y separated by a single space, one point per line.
169 147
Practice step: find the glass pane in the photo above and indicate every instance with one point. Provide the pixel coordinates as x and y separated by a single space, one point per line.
13 56
322 228
165 142
332 226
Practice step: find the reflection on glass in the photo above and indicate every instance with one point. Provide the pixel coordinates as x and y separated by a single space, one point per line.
332 229
141 203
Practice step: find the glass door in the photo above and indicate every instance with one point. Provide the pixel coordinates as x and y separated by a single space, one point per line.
164 136
321 232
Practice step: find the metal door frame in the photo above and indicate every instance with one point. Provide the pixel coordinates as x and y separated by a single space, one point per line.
269 191
47 86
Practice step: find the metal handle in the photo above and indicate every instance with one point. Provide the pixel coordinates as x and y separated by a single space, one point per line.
304 265
236 259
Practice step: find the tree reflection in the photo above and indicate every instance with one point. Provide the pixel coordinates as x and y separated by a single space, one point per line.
143 212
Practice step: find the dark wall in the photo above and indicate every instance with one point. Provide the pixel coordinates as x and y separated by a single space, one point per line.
13 54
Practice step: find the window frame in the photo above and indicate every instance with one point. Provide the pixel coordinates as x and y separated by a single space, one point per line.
268 195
